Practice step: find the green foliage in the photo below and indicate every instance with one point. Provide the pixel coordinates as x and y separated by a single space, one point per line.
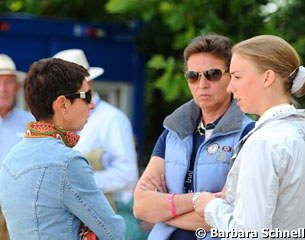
15 6
84 10
288 21
171 82
170 25
119 6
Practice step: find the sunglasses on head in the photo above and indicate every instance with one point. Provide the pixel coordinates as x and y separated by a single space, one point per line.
212 75
86 96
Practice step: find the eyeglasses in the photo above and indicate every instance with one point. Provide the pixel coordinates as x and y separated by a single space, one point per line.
212 75
86 96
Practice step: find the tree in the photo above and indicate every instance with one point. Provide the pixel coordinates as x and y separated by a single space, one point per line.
287 20
170 25
82 10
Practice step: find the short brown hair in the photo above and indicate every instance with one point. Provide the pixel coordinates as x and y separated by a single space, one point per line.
46 80
216 44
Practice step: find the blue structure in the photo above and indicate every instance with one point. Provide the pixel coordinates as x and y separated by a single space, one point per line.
26 39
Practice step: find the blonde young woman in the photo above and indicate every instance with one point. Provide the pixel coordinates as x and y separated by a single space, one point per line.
265 187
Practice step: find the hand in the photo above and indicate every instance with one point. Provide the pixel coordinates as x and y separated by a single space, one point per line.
221 194
152 183
202 201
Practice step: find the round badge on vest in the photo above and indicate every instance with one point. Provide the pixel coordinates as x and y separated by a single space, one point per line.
227 148
212 148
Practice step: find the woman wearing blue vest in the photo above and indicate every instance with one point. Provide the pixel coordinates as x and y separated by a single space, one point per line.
193 153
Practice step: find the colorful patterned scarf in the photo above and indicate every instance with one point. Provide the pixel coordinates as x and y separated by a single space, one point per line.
43 129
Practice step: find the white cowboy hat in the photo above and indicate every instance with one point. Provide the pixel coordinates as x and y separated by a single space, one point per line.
7 66
78 56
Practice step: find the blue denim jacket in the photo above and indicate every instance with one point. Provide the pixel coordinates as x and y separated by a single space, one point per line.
48 189
212 162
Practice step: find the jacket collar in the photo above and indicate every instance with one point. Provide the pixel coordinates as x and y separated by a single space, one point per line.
184 120
279 112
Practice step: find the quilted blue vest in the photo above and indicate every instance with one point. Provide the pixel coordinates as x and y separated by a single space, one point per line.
212 162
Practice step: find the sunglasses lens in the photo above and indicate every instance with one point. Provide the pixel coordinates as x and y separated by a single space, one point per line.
213 74
192 76
88 96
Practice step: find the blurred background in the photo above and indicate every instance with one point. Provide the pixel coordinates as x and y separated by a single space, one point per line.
140 43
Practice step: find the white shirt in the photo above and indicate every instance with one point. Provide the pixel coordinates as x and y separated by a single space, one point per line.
107 141
12 129
265 187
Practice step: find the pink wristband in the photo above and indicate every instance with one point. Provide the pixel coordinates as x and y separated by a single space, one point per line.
171 206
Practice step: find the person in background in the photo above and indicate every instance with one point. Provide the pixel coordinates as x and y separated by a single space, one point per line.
47 189
107 140
266 183
13 120
193 153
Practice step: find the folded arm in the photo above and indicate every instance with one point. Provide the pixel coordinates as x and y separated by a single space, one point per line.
84 200
152 205
189 221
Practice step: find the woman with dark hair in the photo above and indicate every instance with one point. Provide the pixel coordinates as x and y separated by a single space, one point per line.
193 153
47 189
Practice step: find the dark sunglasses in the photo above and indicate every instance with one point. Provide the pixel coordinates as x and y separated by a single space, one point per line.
86 96
212 75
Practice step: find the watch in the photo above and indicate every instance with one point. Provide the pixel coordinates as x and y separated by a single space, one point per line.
195 197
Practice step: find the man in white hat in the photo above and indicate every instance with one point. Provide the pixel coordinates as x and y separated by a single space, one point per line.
107 140
12 120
